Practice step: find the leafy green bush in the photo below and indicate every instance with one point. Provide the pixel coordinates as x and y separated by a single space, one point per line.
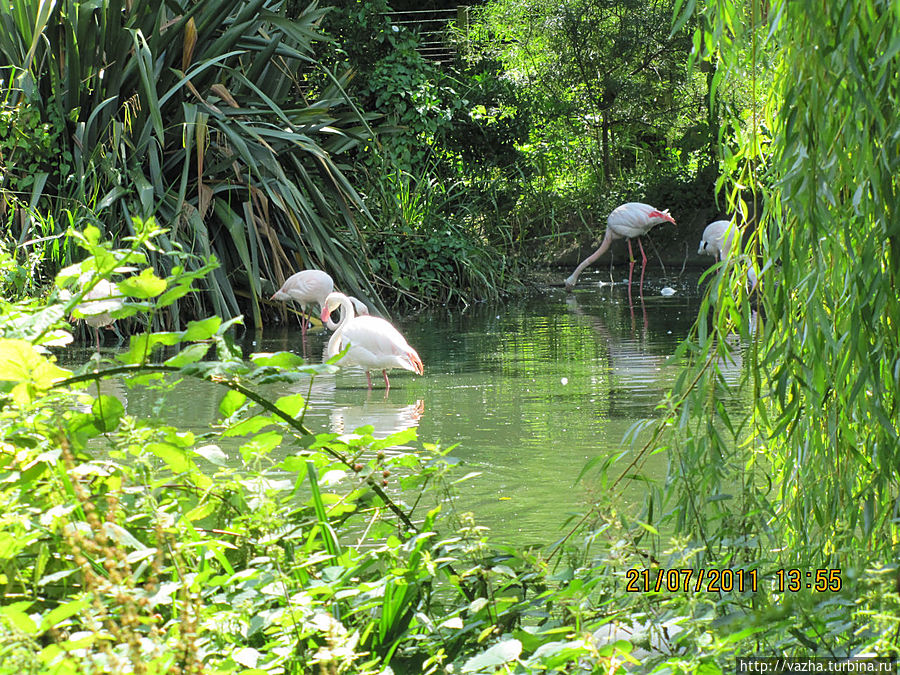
426 251
131 545
29 145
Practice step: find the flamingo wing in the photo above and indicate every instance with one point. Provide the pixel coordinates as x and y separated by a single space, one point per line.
306 287
103 298
634 219
376 345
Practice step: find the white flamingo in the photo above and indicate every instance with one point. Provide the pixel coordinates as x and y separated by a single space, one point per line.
307 287
373 342
717 240
96 305
311 287
629 221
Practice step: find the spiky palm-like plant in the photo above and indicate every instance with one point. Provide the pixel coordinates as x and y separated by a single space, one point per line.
214 116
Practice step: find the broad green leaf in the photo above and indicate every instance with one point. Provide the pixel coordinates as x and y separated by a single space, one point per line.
202 330
16 615
231 402
200 512
142 346
10 545
248 426
107 411
144 285
292 404
190 354
29 372
285 360
63 612
175 457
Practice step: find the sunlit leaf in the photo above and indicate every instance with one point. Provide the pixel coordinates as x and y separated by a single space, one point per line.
231 402
190 354
202 330
145 285
174 457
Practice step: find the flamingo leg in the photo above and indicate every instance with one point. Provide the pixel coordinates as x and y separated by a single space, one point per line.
643 265
303 320
369 379
630 269
387 382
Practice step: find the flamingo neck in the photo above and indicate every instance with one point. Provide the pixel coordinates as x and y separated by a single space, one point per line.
607 240
347 313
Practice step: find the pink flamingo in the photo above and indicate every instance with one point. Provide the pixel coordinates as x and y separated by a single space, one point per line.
373 342
311 287
630 220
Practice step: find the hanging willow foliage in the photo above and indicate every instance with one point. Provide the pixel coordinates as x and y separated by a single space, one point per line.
816 457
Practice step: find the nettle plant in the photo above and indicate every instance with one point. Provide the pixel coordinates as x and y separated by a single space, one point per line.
128 545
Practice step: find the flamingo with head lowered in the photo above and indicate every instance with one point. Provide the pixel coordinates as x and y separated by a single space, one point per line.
371 342
629 221
717 240
97 304
311 287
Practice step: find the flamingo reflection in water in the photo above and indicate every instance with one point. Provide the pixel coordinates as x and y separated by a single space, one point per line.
384 417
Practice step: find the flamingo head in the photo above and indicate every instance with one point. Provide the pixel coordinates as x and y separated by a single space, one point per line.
331 303
662 215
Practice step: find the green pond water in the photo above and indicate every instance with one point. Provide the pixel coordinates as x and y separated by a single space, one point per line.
529 391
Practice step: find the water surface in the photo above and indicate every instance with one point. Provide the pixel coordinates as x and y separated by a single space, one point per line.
529 391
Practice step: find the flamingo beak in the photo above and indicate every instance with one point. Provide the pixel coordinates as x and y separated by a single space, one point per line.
326 314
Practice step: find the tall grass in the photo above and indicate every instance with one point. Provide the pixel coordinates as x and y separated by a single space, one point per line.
214 117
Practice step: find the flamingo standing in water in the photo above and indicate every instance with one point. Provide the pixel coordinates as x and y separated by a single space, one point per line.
96 305
717 240
630 220
714 241
373 342
311 287
307 287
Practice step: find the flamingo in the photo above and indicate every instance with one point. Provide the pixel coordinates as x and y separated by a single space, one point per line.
630 220
307 287
717 240
96 305
311 287
373 342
